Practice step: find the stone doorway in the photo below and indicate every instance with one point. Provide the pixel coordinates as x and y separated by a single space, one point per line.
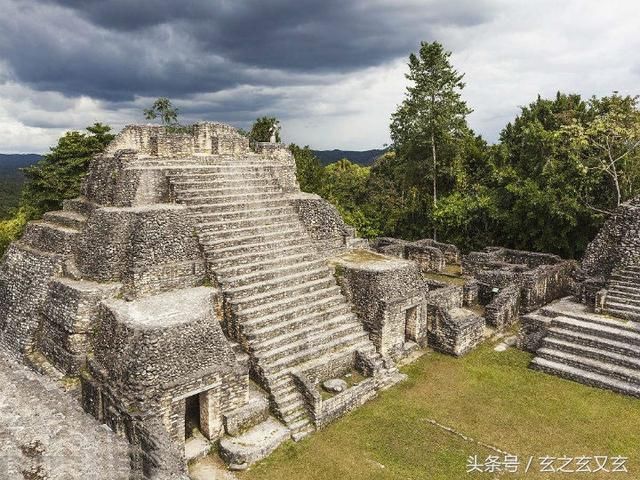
191 416
411 324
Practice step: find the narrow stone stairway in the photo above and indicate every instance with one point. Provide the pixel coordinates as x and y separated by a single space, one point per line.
289 312
589 348
623 296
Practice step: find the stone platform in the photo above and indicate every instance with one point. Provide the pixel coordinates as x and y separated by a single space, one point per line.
45 434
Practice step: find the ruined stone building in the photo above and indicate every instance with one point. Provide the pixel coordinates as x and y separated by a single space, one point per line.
189 287
203 300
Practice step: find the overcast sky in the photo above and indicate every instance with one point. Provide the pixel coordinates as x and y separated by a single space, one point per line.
332 71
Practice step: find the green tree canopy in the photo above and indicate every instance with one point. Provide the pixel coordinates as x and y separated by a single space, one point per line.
164 109
261 129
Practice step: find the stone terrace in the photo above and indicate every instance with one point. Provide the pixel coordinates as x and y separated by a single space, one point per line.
45 434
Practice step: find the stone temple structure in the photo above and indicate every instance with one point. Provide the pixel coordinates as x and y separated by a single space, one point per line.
597 341
189 290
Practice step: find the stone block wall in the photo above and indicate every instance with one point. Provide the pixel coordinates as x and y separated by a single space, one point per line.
432 256
617 244
503 310
323 223
388 296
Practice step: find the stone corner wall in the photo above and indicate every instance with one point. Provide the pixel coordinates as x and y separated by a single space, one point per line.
617 244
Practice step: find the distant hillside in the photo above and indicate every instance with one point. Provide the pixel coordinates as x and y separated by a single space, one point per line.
365 157
11 180
13 161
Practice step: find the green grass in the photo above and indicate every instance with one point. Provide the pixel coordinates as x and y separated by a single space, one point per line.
490 396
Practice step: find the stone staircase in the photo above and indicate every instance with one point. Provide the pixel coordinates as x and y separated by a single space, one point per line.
623 295
287 310
593 349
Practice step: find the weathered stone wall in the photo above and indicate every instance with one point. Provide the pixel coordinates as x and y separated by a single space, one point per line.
617 244
388 296
454 331
25 275
200 139
323 223
149 249
68 318
503 310
431 255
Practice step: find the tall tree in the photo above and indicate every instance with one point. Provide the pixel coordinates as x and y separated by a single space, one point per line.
432 118
308 168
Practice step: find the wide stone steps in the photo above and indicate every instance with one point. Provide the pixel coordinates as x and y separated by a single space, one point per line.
236 207
306 346
625 291
324 321
591 365
264 328
209 227
246 258
204 216
623 297
276 283
196 189
256 246
252 237
595 341
261 274
585 376
268 263
270 301
558 344
214 237
199 196
312 351
614 333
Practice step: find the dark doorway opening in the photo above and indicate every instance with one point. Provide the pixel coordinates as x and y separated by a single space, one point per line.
410 324
191 415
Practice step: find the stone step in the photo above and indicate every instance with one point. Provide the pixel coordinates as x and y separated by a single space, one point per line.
617 333
554 343
266 302
260 275
590 317
623 298
50 237
257 223
251 237
200 197
633 292
204 217
184 190
235 207
315 323
264 327
620 285
595 341
266 264
275 283
624 312
625 277
307 343
257 246
585 377
214 237
591 365
278 377
226 179
246 258
66 219
314 351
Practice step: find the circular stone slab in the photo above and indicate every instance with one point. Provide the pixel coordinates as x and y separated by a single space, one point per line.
335 385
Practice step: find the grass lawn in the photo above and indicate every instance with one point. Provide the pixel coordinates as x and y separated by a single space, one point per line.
487 395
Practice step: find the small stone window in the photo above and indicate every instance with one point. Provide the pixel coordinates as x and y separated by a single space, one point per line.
411 324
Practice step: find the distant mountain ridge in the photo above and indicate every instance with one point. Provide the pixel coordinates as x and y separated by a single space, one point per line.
13 161
364 157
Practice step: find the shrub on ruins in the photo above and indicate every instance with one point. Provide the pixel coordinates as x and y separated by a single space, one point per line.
262 129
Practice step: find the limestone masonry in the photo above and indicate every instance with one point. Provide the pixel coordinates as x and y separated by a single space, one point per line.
199 299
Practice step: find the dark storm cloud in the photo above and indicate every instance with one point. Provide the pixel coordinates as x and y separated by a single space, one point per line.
118 49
